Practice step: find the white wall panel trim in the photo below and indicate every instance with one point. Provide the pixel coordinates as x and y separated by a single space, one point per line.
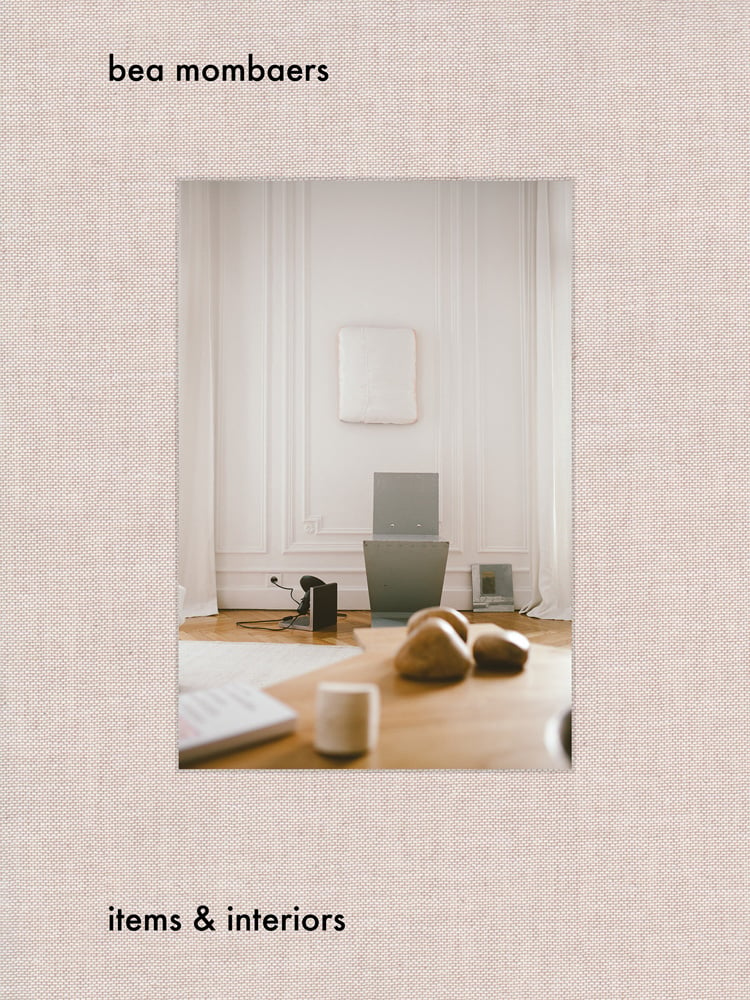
222 458
448 300
526 244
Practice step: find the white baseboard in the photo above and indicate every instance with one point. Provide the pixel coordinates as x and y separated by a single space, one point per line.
350 599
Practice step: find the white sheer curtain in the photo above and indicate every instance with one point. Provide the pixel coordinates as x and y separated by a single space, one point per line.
551 390
197 569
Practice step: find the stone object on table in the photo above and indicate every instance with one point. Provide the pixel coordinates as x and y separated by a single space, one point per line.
433 651
501 652
454 618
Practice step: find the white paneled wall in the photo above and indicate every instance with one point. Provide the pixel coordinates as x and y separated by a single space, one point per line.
294 263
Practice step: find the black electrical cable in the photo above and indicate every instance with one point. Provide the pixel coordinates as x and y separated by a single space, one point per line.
290 589
261 627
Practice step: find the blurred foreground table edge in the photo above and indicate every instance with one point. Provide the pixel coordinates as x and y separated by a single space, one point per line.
484 722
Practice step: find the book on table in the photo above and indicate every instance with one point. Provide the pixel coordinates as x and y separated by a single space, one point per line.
216 720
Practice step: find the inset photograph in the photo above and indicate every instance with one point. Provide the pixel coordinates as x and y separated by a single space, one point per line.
375 527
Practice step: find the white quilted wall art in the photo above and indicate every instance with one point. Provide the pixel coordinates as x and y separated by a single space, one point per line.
377 375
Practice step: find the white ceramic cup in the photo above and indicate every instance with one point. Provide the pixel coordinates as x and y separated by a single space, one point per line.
347 718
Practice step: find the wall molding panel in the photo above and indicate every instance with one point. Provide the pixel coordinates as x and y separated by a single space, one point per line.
241 492
516 542
450 441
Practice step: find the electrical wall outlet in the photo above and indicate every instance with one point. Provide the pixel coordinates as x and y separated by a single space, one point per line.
273 579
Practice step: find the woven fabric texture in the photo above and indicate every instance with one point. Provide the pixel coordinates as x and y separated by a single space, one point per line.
627 877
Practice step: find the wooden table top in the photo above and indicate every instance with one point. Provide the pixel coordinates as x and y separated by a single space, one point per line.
483 722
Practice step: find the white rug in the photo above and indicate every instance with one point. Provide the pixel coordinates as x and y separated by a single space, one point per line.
206 664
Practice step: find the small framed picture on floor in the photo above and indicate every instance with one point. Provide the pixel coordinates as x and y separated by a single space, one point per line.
492 587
